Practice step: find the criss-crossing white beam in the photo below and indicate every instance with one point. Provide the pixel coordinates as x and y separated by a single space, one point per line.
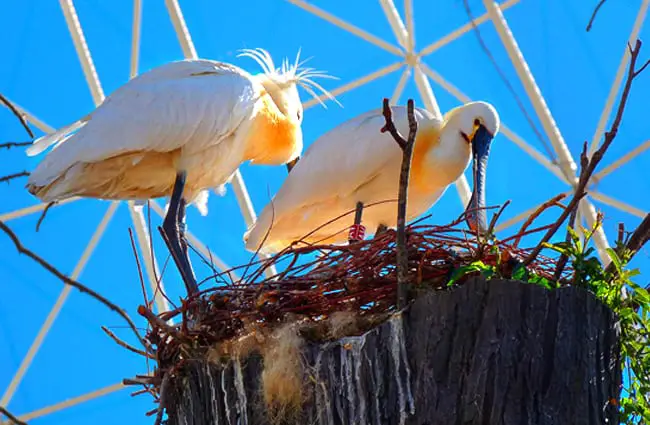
566 162
507 132
66 404
135 37
457 33
399 88
620 73
410 25
95 86
347 26
54 312
238 184
396 23
196 243
621 161
620 205
13 215
356 83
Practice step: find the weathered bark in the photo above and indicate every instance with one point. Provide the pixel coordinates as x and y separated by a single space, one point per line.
501 352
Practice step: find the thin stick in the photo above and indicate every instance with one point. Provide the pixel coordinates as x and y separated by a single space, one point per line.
8 414
13 176
10 145
42 217
82 288
593 15
407 153
591 163
555 201
126 345
162 401
636 241
18 115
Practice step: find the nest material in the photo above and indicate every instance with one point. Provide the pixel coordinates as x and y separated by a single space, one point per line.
358 279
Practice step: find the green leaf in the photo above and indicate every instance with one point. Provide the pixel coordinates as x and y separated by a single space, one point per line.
615 259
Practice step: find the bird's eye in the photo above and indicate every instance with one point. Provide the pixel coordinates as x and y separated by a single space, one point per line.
477 121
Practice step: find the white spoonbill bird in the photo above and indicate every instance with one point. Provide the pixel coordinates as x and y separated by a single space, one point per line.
355 162
178 130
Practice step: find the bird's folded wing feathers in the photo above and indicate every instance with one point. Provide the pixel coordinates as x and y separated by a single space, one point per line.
160 111
342 160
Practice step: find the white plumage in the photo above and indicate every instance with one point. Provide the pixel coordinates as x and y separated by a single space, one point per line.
199 116
355 162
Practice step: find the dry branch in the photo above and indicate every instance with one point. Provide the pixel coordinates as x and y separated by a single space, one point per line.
407 153
82 288
588 165
18 115
10 416
10 145
593 15
13 176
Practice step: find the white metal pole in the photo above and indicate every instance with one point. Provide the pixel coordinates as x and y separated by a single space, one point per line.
622 66
95 86
54 312
566 162
396 23
347 26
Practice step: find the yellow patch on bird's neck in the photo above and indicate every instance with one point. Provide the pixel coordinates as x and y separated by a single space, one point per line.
426 140
273 139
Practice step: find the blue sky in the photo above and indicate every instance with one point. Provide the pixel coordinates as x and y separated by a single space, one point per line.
40 71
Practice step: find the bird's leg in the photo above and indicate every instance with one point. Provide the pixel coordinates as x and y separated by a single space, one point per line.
357 231
172 227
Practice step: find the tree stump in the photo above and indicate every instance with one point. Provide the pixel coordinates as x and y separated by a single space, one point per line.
497 352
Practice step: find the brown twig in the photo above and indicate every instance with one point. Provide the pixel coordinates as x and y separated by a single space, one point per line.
591 163
639 237
496 217
8 414
593 15
43 214
10 145
126 345
13 176
407 153
163 397
80 287
18 115
555 201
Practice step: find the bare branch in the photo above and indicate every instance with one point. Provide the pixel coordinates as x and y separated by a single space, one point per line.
10 145
13 176
82 288
125 345
407 153
18 115
43 214
588 165
163 398
593 15
12 418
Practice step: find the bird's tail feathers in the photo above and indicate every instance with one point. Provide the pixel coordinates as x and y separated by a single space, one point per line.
58 137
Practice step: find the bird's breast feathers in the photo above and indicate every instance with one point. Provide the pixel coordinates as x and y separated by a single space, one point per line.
273 138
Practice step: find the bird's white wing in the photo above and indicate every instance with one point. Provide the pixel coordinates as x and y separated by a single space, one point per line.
188 104
342 160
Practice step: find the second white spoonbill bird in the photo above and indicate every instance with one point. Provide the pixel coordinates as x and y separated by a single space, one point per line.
355 162
179 129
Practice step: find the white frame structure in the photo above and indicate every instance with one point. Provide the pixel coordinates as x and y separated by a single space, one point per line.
411 63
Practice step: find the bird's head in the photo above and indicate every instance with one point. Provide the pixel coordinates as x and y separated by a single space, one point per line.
477 123
282 83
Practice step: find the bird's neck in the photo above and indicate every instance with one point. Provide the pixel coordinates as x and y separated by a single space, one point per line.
439 159
273 138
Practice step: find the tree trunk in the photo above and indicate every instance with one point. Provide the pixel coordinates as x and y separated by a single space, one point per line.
502 352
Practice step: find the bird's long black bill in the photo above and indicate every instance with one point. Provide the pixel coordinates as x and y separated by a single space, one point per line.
476 214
